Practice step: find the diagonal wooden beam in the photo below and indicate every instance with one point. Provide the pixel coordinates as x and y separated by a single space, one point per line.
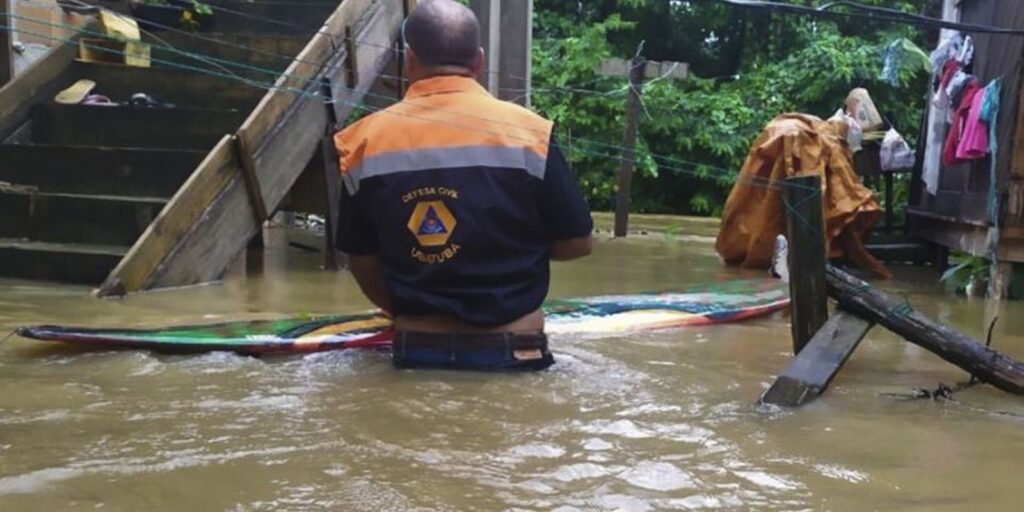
209 221
810 372
243 152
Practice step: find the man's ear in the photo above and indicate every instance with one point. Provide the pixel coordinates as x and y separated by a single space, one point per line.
412 62
481 62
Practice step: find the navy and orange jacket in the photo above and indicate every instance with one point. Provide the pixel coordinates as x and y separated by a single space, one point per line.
462 196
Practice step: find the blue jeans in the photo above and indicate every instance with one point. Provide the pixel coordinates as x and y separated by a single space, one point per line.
483 352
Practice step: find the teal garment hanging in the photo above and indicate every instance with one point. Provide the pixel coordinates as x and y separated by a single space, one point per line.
990 115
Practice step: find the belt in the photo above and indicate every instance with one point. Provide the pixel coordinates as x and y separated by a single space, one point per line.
454 341
484 352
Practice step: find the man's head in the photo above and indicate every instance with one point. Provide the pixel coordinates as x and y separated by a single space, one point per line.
442 37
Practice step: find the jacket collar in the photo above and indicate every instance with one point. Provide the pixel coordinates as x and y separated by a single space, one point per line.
444 84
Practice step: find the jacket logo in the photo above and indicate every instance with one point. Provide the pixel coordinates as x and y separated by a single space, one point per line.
431 223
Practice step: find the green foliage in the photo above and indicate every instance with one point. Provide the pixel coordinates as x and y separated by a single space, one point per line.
966 269
201 8
701 129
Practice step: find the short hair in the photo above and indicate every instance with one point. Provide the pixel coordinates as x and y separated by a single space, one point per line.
443 33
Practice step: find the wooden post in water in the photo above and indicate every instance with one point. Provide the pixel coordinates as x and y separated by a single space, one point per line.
805 232
332 178
628 163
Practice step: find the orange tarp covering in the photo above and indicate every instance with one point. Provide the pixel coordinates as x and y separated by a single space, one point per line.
793 145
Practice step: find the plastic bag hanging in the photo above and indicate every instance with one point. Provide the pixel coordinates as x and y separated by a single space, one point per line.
895 153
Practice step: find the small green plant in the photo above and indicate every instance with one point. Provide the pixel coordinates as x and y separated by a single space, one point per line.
190 17
672 231
967 273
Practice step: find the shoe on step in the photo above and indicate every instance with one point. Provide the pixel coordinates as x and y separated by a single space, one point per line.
141 99
75 93
98 100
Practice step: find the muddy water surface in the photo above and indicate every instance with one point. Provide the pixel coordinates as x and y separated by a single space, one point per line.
661 420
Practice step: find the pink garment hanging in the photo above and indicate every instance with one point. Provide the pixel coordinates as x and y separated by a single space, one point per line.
974 142
956 131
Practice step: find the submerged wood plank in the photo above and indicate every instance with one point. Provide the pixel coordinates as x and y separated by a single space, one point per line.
810 372
70 263
209 221
75 218
856 296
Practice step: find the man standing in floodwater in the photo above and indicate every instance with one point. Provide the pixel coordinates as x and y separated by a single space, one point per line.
454 205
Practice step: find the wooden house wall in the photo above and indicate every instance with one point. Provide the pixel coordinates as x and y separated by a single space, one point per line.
964 189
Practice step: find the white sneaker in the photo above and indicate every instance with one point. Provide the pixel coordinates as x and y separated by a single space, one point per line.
780 259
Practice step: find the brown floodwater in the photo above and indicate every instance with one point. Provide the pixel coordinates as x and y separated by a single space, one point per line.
659 420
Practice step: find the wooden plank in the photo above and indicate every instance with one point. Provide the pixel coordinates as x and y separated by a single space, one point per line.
332 191
209 221
131 127
811 371
351 59
183 210
806 235
207 249
6 44
75 218
68 263
1014 183
97 170
298 80
252 181
857 297
278 165
914 252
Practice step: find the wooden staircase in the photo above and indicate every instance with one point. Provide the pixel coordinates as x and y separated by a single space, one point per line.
80 184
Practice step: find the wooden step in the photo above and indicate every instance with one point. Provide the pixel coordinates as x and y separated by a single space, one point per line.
75 218
294 18
903 252
183 88
97 170
261 51
131 127
73 263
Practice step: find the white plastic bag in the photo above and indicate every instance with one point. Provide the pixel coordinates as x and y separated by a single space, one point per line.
895 153
854 133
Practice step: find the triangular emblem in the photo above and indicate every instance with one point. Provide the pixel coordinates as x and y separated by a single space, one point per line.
431 224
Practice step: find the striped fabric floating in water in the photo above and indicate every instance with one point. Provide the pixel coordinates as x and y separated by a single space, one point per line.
708 304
